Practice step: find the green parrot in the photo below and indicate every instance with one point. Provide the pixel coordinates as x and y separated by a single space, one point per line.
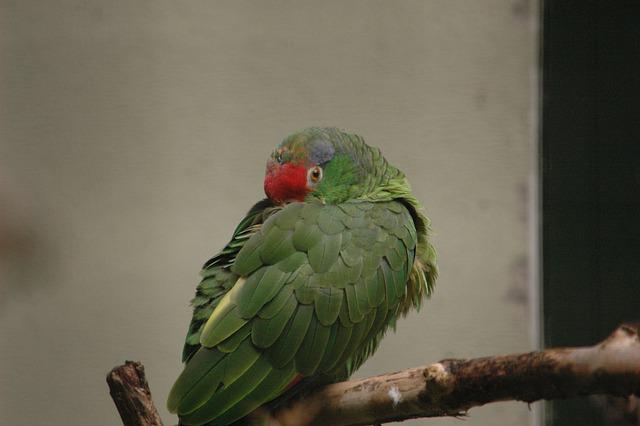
313 277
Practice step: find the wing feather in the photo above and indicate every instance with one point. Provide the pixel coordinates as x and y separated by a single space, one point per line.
288 343
313 346
266 331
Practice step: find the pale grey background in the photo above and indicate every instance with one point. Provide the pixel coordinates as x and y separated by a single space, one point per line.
134 136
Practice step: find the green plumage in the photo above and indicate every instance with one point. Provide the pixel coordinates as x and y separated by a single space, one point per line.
305 289
327 304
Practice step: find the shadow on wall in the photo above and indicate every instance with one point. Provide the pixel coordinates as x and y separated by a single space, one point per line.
24 251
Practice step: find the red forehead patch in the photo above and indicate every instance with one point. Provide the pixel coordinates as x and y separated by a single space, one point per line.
286 182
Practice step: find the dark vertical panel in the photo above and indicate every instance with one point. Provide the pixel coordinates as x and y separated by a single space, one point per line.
618 88
569 203
591 177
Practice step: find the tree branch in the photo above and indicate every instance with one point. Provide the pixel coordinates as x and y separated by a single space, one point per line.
130 392
453 386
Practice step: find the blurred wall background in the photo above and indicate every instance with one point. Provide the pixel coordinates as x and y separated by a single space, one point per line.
133 136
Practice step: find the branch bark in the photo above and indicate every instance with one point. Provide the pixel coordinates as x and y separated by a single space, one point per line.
452 386
130 392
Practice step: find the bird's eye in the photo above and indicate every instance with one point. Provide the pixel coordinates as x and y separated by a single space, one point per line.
315 174
278 157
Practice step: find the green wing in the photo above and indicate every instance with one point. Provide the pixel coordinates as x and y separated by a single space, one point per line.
312 293
217 279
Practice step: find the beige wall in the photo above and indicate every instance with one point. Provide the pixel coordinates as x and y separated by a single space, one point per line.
133 136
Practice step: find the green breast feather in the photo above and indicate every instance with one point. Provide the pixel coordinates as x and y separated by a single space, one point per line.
313 291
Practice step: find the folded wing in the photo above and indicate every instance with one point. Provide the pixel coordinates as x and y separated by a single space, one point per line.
312 293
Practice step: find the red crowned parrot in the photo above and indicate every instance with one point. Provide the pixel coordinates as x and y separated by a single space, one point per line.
313 277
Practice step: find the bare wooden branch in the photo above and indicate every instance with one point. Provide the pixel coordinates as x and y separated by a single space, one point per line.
453 386
130 392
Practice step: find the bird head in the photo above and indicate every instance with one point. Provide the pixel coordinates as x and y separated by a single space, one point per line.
314 162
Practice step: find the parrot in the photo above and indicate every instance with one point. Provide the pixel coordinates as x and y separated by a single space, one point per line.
313 277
